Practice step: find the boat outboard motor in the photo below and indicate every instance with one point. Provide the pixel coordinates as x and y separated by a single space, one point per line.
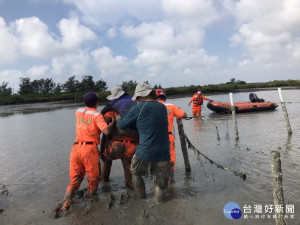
253 98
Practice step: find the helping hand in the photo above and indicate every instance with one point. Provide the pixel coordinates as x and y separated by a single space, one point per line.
118 117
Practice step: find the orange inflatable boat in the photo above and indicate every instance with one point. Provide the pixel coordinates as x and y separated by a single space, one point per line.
254 105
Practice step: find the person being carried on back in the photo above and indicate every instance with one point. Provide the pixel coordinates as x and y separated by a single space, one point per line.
121 144
173 111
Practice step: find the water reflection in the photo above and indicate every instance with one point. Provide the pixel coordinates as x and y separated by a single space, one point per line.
35 148
237 146
288 146
197 124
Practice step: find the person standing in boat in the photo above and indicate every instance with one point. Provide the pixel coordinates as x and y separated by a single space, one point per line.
197 100
173 111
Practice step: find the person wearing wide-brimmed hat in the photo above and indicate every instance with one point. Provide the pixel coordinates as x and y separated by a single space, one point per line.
84 156
153 152
120 144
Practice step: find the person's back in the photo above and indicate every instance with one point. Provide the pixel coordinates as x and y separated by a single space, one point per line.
86 125
123 104
152 125
84 157
152 154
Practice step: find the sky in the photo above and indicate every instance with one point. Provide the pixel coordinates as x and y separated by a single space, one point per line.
168 42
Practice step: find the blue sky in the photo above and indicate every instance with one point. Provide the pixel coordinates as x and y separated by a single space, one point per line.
167 42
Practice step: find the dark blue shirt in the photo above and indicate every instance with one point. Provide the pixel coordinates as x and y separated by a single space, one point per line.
151 121
122 104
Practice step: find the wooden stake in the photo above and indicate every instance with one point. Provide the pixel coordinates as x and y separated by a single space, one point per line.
277 187
285 113
183 145
236 131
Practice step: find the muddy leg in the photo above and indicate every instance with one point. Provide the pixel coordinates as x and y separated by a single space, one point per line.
159 195
126 162
105 170
139 185
71 192
171 177
160 178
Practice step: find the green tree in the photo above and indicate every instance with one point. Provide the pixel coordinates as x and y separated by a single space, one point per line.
157 86
87 84
128 85
100 85
36 85
48 86
4 90
71 85
58 88
25 86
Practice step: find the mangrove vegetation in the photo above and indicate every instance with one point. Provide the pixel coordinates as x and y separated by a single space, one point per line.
45 90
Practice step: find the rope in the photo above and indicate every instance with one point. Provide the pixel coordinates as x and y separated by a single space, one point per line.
218 136
236 173
213 125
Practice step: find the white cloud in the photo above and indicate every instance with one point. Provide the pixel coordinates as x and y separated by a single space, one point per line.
31 37
190 14
107 63
112 32
38 71
12 77
34 37
162 36
73 33
164 39
70 64
114 12
269 31
8 44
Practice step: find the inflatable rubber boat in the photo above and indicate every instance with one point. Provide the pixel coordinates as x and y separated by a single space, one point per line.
255 104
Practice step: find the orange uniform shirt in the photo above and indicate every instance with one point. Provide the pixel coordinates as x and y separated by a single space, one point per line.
89 124
111 114
173 111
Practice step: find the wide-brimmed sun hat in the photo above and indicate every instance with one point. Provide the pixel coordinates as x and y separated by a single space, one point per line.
90 99
141 90
116 92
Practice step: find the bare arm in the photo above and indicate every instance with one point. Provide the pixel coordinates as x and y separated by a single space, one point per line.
107 130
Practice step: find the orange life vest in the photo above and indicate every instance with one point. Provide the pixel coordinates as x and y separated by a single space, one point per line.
197 100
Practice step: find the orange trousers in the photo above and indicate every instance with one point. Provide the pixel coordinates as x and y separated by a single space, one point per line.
172 156
84 158
120 148
196 111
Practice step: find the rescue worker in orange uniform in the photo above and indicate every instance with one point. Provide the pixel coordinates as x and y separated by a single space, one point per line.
197 100
84 156
173 111
121 144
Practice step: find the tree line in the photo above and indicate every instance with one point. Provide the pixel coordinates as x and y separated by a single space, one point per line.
45 86
43 90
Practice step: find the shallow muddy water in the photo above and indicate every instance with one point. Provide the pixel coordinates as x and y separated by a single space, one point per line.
34 159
